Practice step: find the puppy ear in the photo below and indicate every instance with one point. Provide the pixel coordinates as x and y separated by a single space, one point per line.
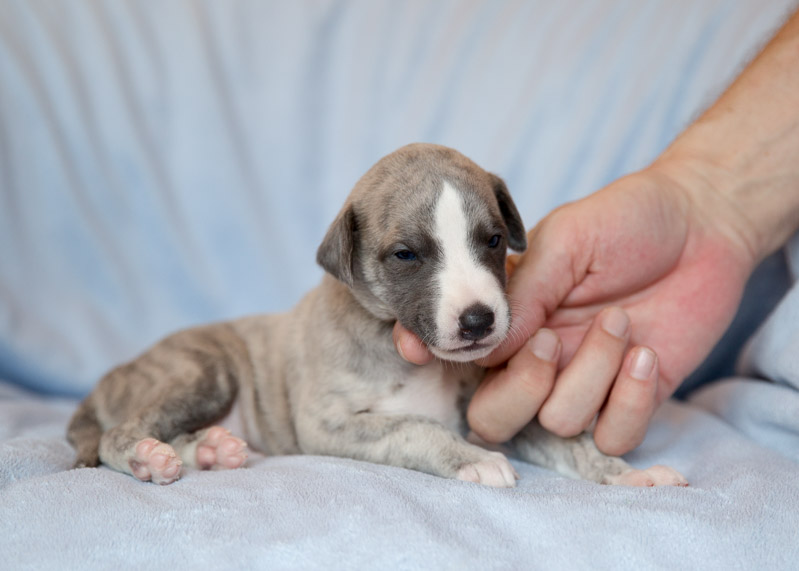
335 254
517 236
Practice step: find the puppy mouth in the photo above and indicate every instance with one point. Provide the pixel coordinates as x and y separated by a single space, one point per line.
471 352
474 346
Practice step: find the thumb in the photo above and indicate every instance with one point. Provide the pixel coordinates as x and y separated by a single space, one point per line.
410 347
540 280
525 321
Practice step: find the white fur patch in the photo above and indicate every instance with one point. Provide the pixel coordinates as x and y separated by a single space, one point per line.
431 391
462 282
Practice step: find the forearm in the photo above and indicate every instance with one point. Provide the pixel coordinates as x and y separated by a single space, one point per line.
744 150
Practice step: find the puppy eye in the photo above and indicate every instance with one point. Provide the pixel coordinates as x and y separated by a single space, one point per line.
405 255
494 241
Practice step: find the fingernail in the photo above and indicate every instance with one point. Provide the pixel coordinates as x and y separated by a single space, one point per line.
615 322
544 344
643 364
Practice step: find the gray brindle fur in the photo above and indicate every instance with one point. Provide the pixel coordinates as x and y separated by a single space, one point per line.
421 239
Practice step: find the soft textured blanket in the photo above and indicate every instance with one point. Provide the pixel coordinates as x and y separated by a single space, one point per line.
304 512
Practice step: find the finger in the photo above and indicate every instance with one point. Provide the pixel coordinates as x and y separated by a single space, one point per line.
510 264
623 422
525 321
583 385
508 399
410 347
538 281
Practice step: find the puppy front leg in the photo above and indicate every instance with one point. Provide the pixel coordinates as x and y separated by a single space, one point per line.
578 457
407 441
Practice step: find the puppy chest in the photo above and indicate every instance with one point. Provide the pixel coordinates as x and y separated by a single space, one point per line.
434 391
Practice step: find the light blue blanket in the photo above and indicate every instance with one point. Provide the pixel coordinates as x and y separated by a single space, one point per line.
305 512
164 164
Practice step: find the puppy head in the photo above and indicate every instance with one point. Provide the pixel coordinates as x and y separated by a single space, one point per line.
422 239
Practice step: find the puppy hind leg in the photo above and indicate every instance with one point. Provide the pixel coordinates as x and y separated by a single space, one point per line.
130 449
192 433
212 448
142 445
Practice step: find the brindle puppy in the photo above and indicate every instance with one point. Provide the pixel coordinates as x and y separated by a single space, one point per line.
421 239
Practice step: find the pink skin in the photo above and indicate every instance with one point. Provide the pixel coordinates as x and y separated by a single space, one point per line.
157 461
650 248
220 450
654 476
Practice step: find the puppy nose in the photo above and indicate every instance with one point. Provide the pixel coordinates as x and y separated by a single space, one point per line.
476 322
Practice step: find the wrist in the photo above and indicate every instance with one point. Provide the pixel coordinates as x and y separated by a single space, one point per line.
708 200
751 196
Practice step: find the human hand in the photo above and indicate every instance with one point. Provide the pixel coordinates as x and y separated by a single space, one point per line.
672 245
653 264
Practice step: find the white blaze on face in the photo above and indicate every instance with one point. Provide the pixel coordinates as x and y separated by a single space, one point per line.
463 281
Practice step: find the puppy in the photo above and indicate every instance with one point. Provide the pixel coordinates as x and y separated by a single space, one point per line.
421 239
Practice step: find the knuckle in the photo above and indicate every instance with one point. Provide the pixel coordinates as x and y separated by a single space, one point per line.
638 404
560 423
537 386
618 446
487 429
535 378
618 432
638 408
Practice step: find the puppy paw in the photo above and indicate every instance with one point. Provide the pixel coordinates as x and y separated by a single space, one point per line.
155 461
654 476
494 470
219 450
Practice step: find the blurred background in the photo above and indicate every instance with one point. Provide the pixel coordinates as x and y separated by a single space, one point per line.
170 163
